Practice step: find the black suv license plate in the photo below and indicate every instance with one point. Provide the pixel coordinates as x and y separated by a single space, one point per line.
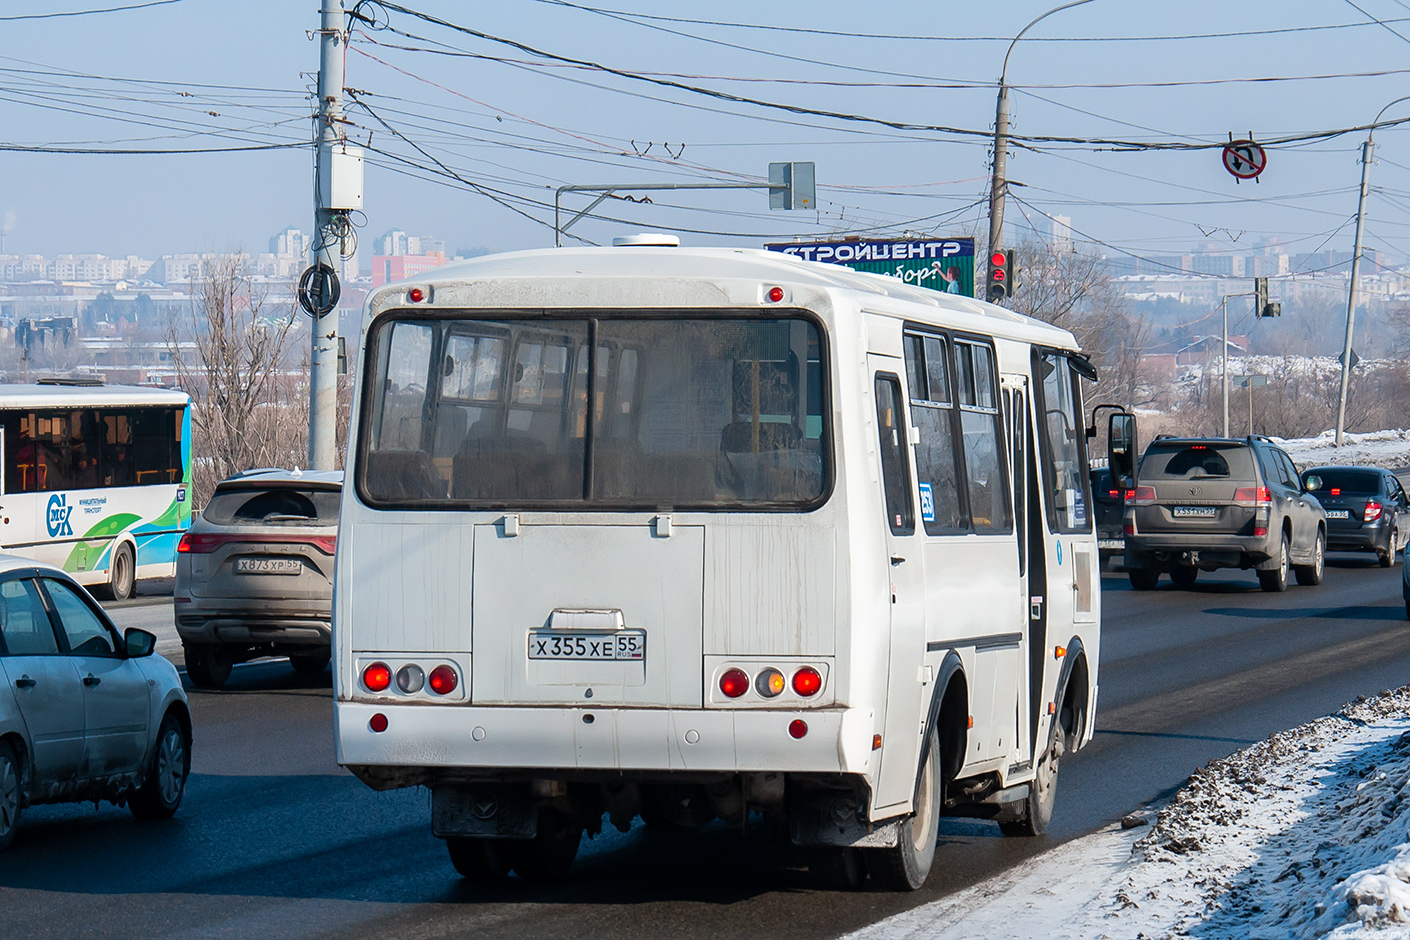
1194 512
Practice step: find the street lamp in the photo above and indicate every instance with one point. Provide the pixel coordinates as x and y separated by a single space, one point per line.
998 185
1366 150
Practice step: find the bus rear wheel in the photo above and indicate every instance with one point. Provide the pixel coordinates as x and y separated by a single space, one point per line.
1042 793
548 855
122 574
906 865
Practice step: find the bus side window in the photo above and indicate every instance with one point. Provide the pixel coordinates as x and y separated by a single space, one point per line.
895 468
932 412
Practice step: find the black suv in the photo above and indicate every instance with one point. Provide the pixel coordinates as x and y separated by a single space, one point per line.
1209 503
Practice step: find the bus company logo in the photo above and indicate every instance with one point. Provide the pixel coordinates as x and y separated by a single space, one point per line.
58 516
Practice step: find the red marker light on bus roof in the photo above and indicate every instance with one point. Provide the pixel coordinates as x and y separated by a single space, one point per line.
775 294
416 295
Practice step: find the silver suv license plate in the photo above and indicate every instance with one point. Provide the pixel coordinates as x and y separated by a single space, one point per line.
595 647
1195 512
268 566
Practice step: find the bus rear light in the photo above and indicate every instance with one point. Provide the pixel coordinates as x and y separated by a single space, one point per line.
378 722
443 680
411 678
376 677
1141 496
770 683
797 728
807 681
416 295
734 683
1373 511
775 295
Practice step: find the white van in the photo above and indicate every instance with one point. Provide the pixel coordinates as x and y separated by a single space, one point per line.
687 534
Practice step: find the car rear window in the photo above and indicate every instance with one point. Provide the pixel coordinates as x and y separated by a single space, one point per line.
279 505
1347 481
1184 461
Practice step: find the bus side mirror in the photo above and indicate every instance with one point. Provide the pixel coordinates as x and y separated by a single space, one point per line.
1121 448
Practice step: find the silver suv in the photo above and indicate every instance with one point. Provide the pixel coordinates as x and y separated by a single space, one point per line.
254 573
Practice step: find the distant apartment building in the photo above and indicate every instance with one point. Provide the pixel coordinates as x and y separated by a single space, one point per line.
389 268
397 242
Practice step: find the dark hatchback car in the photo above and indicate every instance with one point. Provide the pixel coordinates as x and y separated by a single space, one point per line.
1367 510
1110 502
1201 504
254 574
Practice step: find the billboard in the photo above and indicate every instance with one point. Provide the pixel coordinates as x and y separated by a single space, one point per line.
940 264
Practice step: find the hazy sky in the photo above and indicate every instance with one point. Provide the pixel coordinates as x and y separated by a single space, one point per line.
506 120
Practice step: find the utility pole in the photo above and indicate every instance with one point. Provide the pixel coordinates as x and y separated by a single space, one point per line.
999 183
1366 150
1224 367
328 229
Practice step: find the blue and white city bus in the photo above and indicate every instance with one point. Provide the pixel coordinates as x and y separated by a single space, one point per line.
95 479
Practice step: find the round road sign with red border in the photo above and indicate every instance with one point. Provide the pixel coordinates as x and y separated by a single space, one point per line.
1244 159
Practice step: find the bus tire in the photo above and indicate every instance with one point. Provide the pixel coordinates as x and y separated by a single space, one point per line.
836 867
906 865
122 574
480 859
1042 792
548 855
207 665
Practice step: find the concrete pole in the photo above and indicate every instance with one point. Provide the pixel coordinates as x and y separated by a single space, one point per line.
1224 368
1366 150
998 183
327 246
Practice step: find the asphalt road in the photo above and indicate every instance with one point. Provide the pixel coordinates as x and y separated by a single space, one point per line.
274 840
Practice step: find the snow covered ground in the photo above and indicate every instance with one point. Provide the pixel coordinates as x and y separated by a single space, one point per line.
1389 449
1303 835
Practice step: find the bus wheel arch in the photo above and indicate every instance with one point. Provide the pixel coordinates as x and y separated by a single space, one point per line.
1073 692
949 718
122 569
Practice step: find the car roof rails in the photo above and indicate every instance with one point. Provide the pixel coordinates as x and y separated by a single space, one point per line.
75 381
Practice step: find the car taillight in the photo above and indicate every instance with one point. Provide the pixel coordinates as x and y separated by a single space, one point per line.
376 677
807 681
734 683
1141 496
1373 511
1252 497
443 680
203 543
1112 494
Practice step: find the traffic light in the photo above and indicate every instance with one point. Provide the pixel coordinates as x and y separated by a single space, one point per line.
1001 275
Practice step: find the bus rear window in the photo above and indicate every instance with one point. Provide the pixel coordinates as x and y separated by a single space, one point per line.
670 411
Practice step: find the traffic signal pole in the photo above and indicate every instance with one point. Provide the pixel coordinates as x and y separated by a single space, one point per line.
998 182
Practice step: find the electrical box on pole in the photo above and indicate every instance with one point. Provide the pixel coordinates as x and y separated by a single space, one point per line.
340 177
793 185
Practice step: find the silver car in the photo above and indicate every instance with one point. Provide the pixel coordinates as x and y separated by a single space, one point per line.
85 714
254 573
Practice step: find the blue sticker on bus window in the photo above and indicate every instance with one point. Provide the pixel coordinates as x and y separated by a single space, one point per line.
927 503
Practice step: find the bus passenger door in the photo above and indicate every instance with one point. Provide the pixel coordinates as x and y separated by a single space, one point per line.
904 566
1031 569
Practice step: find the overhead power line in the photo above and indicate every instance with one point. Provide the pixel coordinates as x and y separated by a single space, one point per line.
50 16
46 148
1027 141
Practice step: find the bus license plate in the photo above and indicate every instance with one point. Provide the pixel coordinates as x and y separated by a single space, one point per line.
620 645
268 566
1194 512
1338 514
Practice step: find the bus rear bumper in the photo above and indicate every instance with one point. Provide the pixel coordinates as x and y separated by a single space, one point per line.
425 744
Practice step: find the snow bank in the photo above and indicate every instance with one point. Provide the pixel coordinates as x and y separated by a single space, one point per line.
1301 835
1389 449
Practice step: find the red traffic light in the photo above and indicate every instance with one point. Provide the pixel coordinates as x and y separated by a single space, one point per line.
998 259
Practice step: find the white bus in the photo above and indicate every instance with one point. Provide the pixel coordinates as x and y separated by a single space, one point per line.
692 534
94 479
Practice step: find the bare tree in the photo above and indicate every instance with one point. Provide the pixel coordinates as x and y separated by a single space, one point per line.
247 410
